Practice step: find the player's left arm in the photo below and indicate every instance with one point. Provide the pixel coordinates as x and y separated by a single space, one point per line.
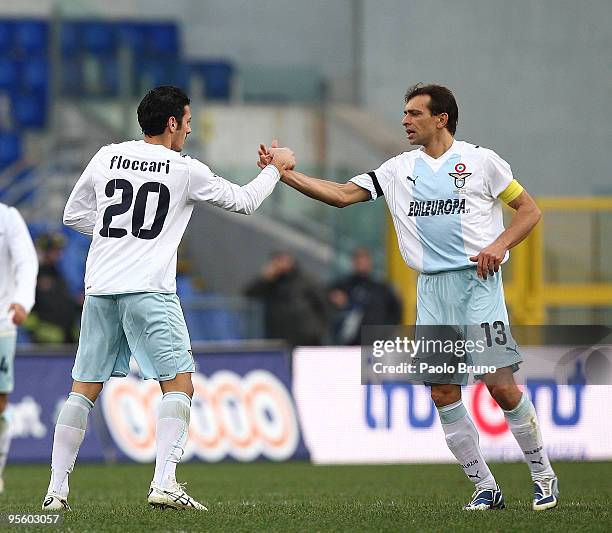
205 186
25 266
526 216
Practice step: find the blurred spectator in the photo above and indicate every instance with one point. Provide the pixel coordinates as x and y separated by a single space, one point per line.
294 305
55 314
360 300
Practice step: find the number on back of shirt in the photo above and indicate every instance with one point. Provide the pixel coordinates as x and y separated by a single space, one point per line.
150 188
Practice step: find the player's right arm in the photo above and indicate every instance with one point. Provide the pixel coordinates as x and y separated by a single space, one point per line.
329 192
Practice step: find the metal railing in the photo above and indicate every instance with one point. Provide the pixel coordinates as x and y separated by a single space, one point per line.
544 271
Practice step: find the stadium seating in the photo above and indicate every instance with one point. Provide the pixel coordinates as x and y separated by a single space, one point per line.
24 80
6 36
30 37
9 73
90 52
69 40
35 73
163 40
10 148
159 71
29 110
97 38
217 78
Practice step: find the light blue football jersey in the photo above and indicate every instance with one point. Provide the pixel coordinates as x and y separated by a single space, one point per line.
446 209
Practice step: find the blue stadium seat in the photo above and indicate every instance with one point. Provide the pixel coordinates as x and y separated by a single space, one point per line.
109 79
29 110
150 73
212 324
10 148
72 77
134 36
9 73
70 44
72 262
217 76
163 40
99 38
35 74
6 35
31 36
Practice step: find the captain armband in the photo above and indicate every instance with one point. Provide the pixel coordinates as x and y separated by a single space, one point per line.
511 192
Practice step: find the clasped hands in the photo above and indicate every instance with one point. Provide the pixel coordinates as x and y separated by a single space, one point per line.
282 158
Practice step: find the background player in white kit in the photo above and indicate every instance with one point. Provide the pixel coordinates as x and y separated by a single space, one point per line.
445 204
136 199
18 270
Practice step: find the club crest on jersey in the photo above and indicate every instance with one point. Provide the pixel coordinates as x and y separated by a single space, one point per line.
460 175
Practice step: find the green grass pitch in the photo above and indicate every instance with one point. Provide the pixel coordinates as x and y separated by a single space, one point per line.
302 497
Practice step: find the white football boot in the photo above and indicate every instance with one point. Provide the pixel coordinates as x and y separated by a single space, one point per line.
54 502
174 497
545 494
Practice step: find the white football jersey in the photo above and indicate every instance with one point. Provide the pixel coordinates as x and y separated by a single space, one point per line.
18 266
136 199
446 209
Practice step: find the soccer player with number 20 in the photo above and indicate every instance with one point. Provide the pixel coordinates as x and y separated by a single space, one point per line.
135 198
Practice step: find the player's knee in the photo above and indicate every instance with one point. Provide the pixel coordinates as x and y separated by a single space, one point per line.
187 385
91 391
504 394
181 383
445 394
3 402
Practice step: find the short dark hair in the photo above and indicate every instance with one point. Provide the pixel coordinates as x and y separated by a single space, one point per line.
442 101
158 105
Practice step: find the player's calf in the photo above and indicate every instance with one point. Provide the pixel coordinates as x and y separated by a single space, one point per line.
69 434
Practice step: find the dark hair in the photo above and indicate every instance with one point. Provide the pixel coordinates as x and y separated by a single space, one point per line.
158 106
442 101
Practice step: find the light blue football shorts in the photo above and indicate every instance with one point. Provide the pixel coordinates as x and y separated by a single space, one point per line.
148 325
7 362
476 309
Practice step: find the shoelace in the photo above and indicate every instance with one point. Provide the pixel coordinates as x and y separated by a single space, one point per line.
476 492
545 487
180 488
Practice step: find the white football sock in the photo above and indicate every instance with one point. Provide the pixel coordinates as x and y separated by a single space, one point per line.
172 433
69 434
462 439
5 439
523 423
